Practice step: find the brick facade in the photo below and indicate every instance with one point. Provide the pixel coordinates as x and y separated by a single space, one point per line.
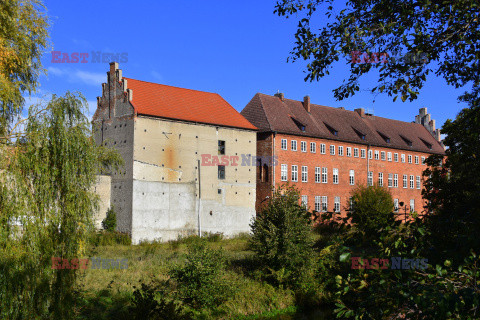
344 164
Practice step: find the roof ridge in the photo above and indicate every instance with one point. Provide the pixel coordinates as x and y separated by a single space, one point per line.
166 85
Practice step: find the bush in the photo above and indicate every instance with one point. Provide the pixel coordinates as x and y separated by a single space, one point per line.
282 240
151 303
200 282
110 221
106 238
372 208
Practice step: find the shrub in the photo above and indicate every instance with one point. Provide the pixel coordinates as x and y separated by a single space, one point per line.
372 208
200 282
282 240
150 302
110 221
106 238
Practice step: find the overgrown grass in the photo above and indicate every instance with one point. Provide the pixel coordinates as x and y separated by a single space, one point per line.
107 294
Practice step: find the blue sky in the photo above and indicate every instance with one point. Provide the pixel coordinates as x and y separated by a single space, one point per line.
234 48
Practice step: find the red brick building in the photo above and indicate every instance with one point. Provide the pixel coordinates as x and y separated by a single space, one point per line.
325 152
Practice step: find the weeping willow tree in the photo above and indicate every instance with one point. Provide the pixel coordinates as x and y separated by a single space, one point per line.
47 202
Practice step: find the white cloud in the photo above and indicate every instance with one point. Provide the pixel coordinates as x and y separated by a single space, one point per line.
86 77
90 78
156 75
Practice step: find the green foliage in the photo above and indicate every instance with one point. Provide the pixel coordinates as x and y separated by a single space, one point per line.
23 39
109 238
372 208
200 281
110 221
282 240
151 303
46 205
452 189
445 33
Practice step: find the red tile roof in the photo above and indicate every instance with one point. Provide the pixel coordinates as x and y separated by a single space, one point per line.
164 101
269 113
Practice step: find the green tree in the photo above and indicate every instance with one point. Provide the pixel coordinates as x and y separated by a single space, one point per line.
452 190
46 208
282 239
372 208
442 36
110 221
23 38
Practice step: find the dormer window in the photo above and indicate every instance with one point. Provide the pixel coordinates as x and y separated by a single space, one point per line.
428 145
300 125
331 129
408 142
384 137
360 134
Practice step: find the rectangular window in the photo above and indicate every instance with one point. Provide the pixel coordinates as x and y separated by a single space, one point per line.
304 173
403 158
383 155
335 176
317 174
395 157
363 153
355 152
221 147
412 205
419 184
318 203
324 203
221 172
332 150
390 180
395 205
324 175
323 148
284 172
352 177
395 180
370 178
303 146
340 150
416 160
389 156
409 159
284 144
370 154
349 152
294 145
304 200
377 155
405 181
412 182
380 179
336 204
294 173
423 160
313 147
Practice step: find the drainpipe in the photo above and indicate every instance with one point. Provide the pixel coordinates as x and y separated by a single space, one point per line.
368 162
273 157
199 200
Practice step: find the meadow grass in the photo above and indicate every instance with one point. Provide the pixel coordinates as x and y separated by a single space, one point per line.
106 293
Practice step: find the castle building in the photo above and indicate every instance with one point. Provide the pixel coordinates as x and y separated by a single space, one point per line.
171 139
325 152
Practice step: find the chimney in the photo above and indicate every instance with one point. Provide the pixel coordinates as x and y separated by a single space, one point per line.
280 95
361 112
306 103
